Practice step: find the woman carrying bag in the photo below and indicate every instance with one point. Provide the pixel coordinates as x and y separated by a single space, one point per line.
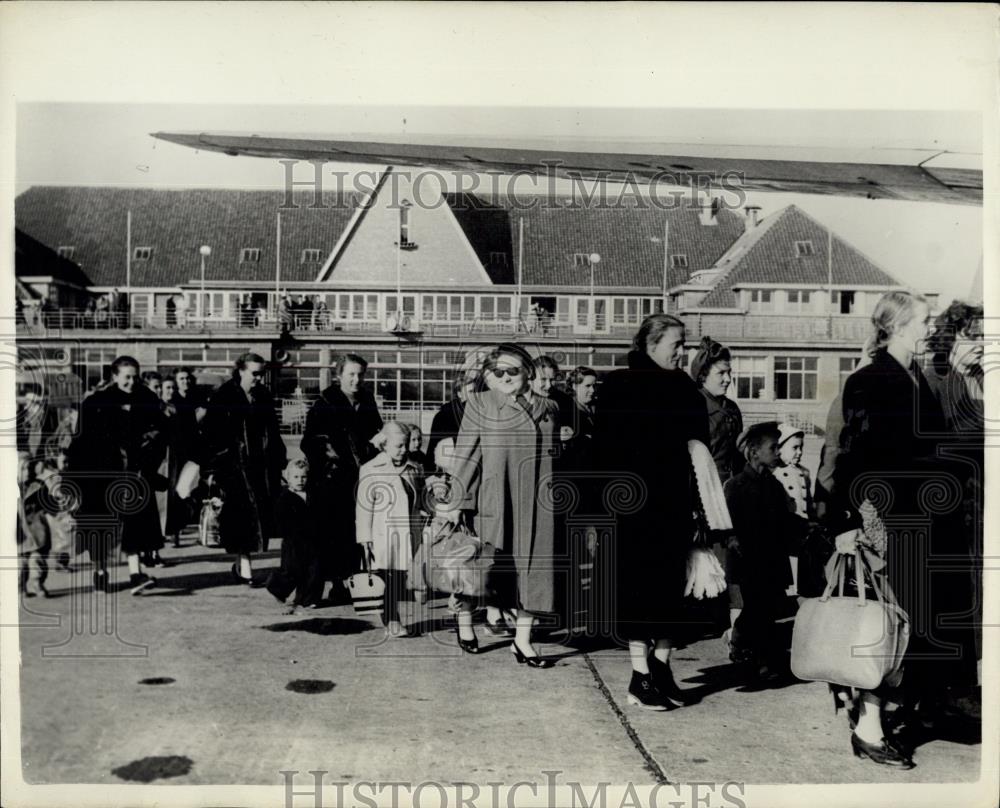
891 425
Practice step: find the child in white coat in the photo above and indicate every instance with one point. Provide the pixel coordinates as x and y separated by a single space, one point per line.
390 491
794 478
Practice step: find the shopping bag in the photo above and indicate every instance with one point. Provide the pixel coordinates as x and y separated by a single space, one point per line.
452 559
188 479
367 589
208 523
852 641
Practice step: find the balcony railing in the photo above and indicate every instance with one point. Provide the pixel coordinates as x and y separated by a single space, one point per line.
723 327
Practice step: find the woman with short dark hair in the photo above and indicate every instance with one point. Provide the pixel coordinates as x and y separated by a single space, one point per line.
648 413
244 452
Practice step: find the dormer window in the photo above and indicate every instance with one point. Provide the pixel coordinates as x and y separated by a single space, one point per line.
678 261
142 253
250 255
311 256
804 248
761 300
581 259
66 251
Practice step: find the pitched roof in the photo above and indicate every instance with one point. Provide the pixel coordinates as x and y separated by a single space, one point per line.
628 237
767 254
32 258
175 223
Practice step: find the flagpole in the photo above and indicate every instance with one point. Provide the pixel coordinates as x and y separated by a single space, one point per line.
128 262
666 260
520 268
277 263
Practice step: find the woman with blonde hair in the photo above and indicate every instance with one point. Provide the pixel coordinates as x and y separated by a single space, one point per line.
888 456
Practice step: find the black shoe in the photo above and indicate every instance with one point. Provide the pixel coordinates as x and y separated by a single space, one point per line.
663 678
498 629
156 561
140 582
251 582
100 580
469 646
885 753
533 661
642 692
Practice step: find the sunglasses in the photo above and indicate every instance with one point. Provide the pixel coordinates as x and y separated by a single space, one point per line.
511 373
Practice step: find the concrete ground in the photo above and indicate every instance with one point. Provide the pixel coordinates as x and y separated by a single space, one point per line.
203 681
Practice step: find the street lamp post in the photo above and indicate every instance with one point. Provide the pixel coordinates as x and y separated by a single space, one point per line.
594 260
205 251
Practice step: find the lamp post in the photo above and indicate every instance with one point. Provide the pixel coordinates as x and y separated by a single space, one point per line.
594 259
205 251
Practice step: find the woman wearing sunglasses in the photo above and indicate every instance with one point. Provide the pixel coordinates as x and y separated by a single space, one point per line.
503 473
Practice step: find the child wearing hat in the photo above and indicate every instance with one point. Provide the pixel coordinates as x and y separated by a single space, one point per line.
794 478
764 526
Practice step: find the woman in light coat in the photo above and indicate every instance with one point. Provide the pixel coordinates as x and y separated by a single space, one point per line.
503 473
388 523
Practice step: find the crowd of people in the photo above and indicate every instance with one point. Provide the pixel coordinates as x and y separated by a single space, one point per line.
366 495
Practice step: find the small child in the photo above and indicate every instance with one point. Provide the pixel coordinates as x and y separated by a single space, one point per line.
300 531
61 520
33 537
794 478
416 451
764 526
390 489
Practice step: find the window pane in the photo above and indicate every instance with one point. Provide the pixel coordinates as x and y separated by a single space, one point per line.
809 386
469 307
191 355
810 362
409 387
780 363
781 385
390 304
216 355
371 310
757 385
428 307
441 310
742 387
503 307
486 307
795 386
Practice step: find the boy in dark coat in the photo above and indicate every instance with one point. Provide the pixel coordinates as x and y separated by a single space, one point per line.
765 532
296 521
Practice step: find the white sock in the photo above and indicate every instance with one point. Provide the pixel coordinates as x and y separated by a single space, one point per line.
245 570
133 564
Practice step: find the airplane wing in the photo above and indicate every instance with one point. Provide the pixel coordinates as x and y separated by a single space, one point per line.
928 175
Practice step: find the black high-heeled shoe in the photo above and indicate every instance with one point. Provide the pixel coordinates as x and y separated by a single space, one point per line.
469 646
884 752
530 661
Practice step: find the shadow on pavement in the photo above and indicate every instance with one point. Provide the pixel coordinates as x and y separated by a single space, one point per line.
323 626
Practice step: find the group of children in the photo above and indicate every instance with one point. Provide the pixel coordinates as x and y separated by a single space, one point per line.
774 532
390 522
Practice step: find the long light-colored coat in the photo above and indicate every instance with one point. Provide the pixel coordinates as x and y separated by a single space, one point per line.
503 467
388 511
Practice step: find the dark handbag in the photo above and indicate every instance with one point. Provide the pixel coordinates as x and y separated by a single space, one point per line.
453 559
367 588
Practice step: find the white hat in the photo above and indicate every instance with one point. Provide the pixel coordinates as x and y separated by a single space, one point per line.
786 431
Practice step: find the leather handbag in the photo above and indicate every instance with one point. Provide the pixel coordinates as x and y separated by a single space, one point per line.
452 559
850 640
367 588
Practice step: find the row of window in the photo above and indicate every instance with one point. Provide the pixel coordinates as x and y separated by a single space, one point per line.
803 301
312 255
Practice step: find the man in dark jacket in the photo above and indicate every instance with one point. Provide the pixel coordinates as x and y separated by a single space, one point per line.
448 420
336 443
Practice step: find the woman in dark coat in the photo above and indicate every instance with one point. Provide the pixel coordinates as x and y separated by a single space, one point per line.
647 415
115 458
184 437
244 452
889 455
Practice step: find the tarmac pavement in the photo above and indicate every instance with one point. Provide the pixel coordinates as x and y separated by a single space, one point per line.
204 681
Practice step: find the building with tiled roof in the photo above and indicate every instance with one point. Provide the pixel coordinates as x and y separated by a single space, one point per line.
791 249
419 288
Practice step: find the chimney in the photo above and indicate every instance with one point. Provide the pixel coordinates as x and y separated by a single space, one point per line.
752 212
708 209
